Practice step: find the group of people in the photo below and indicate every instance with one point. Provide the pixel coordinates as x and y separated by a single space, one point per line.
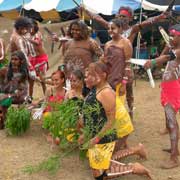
96 76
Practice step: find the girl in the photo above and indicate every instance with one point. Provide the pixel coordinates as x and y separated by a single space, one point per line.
77 85
118 52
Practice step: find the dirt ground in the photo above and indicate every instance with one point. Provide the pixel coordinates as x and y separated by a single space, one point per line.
32 147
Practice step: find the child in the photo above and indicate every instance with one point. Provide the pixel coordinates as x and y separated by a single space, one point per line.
77 83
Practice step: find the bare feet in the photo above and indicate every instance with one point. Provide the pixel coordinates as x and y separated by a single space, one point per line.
142 151
170 164
141 170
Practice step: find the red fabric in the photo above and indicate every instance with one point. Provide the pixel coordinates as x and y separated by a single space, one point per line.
170 94
175 32
38 60
53 99
124 12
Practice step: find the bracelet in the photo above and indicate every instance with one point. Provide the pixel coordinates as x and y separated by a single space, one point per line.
124 81
153 62
97 139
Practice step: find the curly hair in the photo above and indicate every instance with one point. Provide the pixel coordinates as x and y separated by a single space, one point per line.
84 32
23 66
22 22
131 12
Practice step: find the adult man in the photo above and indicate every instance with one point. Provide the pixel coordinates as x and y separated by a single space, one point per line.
170 92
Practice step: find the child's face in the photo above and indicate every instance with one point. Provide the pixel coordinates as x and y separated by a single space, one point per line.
75 82
57 80
114 30
16 62
23 30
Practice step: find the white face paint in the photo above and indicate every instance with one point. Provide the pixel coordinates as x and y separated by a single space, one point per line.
113 30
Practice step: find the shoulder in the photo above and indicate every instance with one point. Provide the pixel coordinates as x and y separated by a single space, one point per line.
108 93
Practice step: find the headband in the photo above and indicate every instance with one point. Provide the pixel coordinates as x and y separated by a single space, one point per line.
175 32
125 12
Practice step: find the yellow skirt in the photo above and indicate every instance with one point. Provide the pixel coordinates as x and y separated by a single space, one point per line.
123 124
100 155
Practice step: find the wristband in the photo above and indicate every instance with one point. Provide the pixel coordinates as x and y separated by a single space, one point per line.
124 81
153 62
97 139
172 55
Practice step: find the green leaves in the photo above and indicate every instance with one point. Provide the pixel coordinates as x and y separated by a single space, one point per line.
17 120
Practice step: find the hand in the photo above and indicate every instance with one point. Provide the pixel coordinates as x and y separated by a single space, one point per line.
147 65
122 89
165 15
55 37
81 139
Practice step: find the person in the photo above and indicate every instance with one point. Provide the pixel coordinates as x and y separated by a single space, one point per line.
18 41
118 51
130 32
56 93
81 50
2 52
170 92
77 85
40 61
13 82
101 129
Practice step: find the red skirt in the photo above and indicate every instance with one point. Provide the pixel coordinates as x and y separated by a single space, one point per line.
170 94
41 61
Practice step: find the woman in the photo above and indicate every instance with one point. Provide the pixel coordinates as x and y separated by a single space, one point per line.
98 122
81 50
118 51
13 81
56 93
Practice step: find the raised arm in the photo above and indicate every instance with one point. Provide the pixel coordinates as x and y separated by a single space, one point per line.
149 22
96 17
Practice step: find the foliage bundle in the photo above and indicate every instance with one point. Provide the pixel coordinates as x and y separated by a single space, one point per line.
17 120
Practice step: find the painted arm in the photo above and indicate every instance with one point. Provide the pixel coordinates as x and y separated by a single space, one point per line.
149 22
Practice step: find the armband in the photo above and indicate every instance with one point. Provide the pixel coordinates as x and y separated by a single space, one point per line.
153 62
97 139
172 55
61 67
124 81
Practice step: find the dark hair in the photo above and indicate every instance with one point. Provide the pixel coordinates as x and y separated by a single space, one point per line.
131 12
100 67
83 29
78 73
23 67
118 22
22 22
35 25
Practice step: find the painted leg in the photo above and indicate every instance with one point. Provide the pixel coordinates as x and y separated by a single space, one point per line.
173 129
138 150
130 98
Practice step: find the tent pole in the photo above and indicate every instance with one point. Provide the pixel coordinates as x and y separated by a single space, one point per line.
21 13
139 34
